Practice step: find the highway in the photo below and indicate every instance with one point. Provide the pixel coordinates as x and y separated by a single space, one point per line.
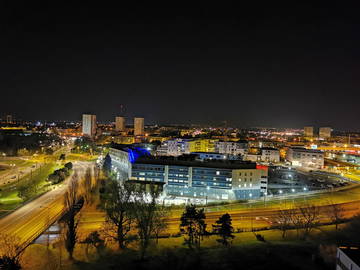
93 219
29 221
16 173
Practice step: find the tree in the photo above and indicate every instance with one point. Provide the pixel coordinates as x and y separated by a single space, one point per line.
118 204
284 221
107 165
148 217
71 199
87 185
10 252
94 240
49 151
26 192
68 165
224 229
310 217
335 213
192 223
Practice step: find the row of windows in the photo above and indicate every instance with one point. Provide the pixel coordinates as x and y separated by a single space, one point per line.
147 168
245 174
148 173
245 179
149 179
245 185
212 178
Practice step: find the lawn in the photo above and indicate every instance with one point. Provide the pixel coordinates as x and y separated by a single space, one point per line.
8 195
246 253
80 157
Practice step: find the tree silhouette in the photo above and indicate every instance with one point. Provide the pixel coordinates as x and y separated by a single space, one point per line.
107 165
192 223
224 229
71 199
118 203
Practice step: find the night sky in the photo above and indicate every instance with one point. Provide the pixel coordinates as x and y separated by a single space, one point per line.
281 67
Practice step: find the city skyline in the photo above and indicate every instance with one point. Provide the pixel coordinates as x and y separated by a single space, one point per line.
177 65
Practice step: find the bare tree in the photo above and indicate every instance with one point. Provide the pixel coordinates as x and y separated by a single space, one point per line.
160 222
149 217
118 203
336 213
10 252
71 199
310 218
87 186
284 221
296 220
94 240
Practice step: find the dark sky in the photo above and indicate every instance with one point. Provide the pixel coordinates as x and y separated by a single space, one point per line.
282 67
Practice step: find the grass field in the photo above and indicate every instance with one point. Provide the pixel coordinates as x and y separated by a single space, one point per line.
245 253
80 157
8 195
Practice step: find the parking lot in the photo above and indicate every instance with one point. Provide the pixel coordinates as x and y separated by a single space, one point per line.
289 180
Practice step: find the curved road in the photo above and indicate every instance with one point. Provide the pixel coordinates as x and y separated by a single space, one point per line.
29 221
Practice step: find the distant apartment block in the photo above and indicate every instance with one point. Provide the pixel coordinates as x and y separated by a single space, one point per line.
177 147
9 119
89 125
199 145
139 126
120 123
305 157
269 154
308 131
231 148
324 132
265 154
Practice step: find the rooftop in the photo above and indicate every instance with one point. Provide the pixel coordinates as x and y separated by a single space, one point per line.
353 253
301 149
190 161
269 148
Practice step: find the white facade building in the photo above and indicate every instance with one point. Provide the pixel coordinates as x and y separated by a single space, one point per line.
270 155
348 258
305 157
89 125
231 148
175 147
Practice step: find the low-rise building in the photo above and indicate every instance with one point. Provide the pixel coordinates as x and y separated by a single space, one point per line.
215 156
348 258
311 158
269 154
231 148
190 177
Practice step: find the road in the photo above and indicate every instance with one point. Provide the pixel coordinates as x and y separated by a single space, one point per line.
18 172
93 219
32 219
